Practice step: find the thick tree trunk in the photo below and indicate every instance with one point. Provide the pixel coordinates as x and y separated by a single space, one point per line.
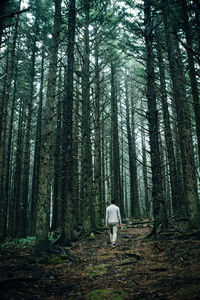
175 188
192 72
36 166
87 175
183 123
42 210
67 152
159 209
26 161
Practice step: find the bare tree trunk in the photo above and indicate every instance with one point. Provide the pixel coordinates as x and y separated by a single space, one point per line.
97 143
145 176
4 114
36 166
192 72
42 211
7 180
87 175
116 178
56 206
134 197
67 151
26 161
184 126
175 188
159 209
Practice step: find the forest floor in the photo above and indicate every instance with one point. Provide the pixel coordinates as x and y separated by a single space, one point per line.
138 268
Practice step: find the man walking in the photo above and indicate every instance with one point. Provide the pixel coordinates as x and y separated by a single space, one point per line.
113 219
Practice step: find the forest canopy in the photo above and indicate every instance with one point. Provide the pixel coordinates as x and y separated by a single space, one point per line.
99 100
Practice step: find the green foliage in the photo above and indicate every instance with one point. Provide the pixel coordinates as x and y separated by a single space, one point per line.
19 244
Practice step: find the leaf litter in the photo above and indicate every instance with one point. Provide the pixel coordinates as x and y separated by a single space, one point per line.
138 268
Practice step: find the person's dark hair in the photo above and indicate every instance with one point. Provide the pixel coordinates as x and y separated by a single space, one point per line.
112 201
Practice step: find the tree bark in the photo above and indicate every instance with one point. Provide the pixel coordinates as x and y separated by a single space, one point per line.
87 174
134 197
116 193
183 123
67 151
36 164
174 183
192 72
4 114
42 210
159 209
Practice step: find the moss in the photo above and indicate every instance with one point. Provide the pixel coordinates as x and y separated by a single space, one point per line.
106 294
98 270
92 236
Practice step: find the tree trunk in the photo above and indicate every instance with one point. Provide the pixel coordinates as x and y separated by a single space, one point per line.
87 175
14 216
26 161
7 180
192 72
134 197
67 152
4 113
116 179
36 165
183 123
145 176
175 188
42 210
56 205
159 209
97 143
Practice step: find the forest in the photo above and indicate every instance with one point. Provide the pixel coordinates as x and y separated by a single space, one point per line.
99 100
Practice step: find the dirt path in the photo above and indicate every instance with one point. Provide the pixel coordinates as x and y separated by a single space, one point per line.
135 269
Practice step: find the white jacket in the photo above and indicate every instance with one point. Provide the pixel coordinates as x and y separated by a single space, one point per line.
113 215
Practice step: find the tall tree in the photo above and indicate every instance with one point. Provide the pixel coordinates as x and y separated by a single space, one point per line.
183 122
159 209
134 197
116 186
36 164
175 186
67 150
43 205
87 174
192 71
26 161
4 111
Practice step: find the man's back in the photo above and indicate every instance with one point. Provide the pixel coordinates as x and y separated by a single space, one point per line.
113 215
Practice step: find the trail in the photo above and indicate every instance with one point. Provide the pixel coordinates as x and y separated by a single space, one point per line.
167 268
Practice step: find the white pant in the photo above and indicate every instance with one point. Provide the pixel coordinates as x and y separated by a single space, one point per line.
113 233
